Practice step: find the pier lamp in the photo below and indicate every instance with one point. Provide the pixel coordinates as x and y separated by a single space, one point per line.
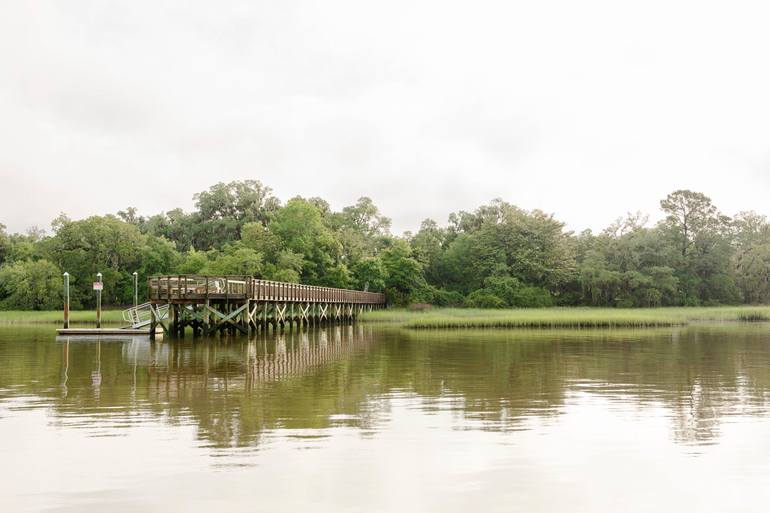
66 300
136 289
98 286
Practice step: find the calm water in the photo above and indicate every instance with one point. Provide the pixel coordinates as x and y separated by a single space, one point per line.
367 419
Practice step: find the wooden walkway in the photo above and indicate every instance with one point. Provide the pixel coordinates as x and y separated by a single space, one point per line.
211 304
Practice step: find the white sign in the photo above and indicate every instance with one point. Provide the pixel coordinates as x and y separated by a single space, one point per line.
98 285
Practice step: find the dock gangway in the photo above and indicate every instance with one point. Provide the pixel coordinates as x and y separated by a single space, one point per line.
140 316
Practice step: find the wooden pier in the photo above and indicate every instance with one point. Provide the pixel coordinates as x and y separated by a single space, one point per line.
231 304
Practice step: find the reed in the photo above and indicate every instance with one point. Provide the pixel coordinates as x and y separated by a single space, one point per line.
570 318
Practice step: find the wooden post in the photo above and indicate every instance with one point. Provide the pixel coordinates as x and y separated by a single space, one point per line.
173 319
207 312
245 316
153 322
66 300
196 322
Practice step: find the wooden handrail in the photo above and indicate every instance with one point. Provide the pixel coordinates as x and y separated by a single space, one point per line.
194 286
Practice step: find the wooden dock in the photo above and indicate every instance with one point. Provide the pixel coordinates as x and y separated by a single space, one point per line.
211 304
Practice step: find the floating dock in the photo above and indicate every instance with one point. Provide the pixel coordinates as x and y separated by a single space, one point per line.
103 331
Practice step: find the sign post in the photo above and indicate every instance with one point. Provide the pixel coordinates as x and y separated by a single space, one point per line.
98 286
66 300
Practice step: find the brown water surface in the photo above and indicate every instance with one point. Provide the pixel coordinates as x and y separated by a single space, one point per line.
369 419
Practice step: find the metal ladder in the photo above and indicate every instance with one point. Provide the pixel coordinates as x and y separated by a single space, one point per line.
139 316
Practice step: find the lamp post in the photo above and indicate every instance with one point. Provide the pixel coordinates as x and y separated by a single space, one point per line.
66 300
99 300
136 289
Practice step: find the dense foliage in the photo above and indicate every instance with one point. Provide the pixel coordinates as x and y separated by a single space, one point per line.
497 256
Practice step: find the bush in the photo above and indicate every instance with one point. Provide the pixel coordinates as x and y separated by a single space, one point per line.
483 299
448 298
425 294
625 303
533 297
435 296
516 294
396 297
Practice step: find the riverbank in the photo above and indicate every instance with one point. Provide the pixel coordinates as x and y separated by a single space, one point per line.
57 317
449 318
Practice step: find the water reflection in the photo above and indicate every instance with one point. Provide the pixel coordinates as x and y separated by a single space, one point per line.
234 391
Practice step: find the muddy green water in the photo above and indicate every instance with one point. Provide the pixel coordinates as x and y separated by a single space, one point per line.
366 419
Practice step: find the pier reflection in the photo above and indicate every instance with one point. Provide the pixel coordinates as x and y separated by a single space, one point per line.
232 389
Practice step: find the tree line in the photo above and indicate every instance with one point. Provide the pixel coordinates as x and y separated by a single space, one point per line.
494 257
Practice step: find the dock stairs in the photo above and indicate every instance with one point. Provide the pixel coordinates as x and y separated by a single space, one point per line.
138 317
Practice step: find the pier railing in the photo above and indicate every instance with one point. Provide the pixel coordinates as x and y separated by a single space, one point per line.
198 287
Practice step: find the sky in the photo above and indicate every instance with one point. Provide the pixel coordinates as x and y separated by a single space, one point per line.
586 110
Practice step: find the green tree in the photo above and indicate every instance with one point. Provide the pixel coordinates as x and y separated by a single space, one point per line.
193 262
753 272
704 239
500 239
300 229
225 208
97 244
30 285
689 215
131 216
428 246
236 260
5 244
369 274
403 273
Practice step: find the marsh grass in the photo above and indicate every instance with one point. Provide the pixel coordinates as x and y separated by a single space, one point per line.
754 316
568 318
440 318
619 335
57 317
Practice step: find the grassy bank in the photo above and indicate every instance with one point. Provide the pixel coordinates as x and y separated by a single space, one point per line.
57 317
442 318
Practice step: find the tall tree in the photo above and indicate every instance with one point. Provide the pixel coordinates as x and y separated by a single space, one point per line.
689 215
300 229
225 208
5 244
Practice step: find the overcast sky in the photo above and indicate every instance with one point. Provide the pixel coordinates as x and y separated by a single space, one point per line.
586 109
